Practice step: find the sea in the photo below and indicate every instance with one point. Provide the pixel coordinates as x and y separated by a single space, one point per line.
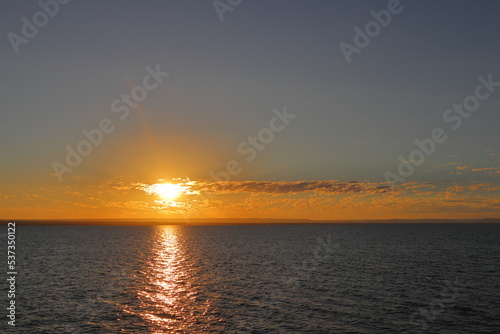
317 278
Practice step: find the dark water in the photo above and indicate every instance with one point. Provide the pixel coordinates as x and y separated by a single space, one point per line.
258 279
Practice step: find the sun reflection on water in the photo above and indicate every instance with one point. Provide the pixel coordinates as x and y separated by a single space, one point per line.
169 300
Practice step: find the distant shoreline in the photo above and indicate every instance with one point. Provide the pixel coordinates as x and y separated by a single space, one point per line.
235 221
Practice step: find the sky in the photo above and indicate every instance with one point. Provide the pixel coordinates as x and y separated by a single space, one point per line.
282 109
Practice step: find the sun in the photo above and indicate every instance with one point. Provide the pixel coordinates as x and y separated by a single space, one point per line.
168 191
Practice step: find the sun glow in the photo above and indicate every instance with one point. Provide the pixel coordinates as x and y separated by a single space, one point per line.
168 191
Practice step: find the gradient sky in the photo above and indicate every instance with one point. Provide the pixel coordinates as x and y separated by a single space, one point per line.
225 77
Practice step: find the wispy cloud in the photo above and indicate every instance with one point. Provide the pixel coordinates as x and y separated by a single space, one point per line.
284 187
486 169
447 164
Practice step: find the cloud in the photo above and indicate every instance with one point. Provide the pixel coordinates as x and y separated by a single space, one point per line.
447 165
294 187
486 169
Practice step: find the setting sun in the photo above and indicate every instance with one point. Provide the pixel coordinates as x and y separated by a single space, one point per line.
168 191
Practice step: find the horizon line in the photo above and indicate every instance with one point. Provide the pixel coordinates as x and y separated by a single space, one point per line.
240 221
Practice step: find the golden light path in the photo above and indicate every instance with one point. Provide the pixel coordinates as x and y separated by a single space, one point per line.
169 298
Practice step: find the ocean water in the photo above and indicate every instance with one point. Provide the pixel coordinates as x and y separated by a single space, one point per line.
422 278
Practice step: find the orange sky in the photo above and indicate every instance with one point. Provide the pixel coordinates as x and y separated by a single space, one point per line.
121 198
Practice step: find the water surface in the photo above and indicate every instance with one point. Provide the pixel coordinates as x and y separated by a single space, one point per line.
419 278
